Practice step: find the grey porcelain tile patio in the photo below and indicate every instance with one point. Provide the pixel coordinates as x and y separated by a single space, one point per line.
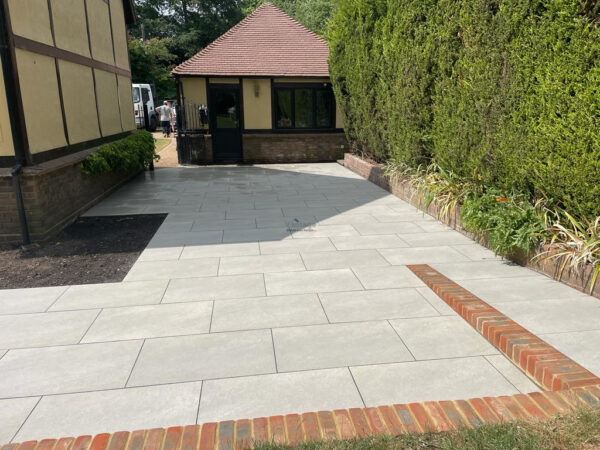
13 413
64 369
267 312
234 265
482 269
448 379
367 242
158 270
220 250
45 329
140 322
387 277
380 304
282 393
441 337
214 288
108 295
367 229
296 245
435 239
421 255
161 254
255 235
343 259
20 301
337 345
324 231
201 357
311 281
91 413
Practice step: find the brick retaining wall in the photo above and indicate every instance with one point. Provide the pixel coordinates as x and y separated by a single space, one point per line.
375 173
55 193
291 148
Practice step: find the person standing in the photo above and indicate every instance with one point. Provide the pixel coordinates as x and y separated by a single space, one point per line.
173 117
165 112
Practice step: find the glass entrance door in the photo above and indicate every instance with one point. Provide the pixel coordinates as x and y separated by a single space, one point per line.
225 114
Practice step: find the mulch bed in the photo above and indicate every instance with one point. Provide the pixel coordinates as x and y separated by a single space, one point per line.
91 250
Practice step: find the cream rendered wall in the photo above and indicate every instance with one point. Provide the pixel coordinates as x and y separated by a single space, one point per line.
117 15
194 90
31 21
126 103
70 29
6 141
257 110
108 102
99 21
79 102
224 80
41 102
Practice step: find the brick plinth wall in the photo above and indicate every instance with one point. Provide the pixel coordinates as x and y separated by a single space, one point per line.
580 280
292 148
54 193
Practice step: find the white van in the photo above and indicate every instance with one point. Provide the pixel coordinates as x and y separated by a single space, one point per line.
143 95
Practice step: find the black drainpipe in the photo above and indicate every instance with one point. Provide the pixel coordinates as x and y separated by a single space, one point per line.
15 125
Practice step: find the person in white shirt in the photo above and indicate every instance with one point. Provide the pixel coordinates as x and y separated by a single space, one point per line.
165 112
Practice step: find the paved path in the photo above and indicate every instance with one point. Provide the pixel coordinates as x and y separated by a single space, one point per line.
267 290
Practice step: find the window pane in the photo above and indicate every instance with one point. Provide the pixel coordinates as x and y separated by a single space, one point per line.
226 112
304 108
136 95
324 108
284 108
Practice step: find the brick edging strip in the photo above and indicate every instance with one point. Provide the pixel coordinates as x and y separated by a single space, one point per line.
549 368
293 429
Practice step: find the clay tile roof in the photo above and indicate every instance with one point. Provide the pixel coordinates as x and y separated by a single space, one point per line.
267 42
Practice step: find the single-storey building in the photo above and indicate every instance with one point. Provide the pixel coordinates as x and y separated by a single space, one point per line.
65 89
259 93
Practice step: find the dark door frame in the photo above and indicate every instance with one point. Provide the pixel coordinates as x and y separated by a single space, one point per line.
212 87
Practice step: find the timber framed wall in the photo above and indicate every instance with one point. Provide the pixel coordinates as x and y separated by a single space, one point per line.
71 75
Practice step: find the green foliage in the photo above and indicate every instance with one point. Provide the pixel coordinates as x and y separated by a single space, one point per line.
508 224
314 14
502 93
125 156
150 62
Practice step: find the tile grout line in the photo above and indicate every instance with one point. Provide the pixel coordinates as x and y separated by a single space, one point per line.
133 366
57 299
212 313
323 308
199 401
90 327
504 376
274 351
356 386
27 418
404 343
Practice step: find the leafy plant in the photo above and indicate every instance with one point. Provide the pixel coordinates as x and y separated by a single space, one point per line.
124 156
576 244
508 224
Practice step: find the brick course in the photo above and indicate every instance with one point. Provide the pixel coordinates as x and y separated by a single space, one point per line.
293 148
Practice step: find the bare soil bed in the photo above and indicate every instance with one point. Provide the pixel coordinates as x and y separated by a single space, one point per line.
91 250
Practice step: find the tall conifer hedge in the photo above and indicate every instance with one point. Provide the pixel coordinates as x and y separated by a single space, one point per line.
502 91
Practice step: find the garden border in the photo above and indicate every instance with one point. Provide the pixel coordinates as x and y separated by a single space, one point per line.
375 173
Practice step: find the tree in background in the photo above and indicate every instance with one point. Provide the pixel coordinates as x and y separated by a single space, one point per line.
170 31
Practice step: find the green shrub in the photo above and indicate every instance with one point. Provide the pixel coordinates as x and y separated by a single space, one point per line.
505 93
124 156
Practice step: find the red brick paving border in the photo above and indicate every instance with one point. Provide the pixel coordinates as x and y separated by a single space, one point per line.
292 429
568 386
549 368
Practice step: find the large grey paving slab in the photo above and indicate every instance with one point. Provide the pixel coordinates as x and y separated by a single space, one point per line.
139 322
517 378
267 312
441 337
422 255
367 229
89 296
159 270
555 316
18 301
324 231
337 345
343 259
223 224
91 413
220 250
45 329
256 235
64 369
252 213
282 393
161 254
288 283
380 304
476 252
367 242
188 238
419 381
214 288
482 269
285 262
347 219
440 305
296 245
286 222
387 277
581 346
200 357
435 239
530 288
13 413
